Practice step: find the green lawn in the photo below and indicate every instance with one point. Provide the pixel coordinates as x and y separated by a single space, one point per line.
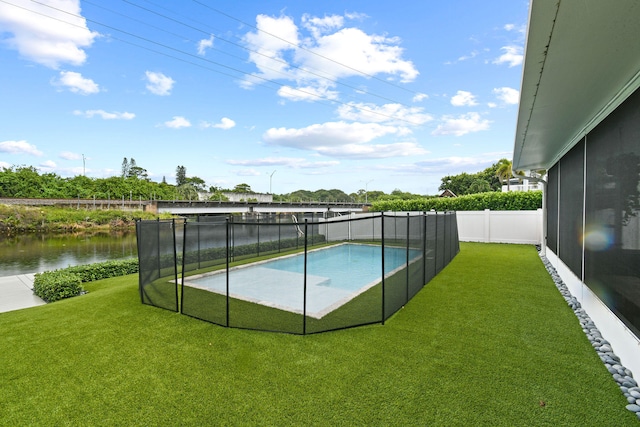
489 341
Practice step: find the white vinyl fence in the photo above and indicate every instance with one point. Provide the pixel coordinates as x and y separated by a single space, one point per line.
488 226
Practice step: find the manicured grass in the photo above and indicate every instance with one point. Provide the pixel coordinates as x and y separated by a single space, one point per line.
488 342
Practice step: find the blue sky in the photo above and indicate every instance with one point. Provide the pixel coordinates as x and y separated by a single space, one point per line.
282 94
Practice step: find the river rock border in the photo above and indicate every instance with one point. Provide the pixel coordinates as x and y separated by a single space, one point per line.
622 376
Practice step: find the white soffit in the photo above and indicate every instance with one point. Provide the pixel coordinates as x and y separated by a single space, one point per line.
582 59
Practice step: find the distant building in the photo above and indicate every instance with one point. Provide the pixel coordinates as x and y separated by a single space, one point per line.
240 197
447 193
245 197
521 184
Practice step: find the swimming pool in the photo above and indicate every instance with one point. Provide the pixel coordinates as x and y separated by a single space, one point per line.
335 275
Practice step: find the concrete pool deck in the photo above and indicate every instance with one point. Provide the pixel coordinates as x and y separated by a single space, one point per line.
16 293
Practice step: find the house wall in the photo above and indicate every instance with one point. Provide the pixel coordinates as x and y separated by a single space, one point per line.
593 206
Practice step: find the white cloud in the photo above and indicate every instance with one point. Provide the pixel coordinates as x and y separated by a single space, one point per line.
507 95
457 164
177 122
341 139
48 165
318 26
292 162
105 115
447 165
247 172
390 113
469 56
512 56
513 27
158 83
419 97
330 133
4 165
352 49
268 46
307 93
463 98
225 123
205 44
281 50
19 147
41 33
461 125
76 83
67 155
373 151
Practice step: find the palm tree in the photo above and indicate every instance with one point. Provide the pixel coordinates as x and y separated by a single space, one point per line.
503 172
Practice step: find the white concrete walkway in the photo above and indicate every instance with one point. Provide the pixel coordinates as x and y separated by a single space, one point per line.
16 293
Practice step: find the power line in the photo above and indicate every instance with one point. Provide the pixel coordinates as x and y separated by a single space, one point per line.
332 80
302 47
253 76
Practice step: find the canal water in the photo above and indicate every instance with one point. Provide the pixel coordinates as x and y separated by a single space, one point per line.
32 253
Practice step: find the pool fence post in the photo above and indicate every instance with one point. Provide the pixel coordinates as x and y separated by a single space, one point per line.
175 259
258 232
444 241
138 240
184 252
304 301
227 273
424 248
231 233
406 298
435 247
198 221
159 265
382 243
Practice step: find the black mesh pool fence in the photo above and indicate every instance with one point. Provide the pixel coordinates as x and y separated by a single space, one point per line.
158 274
295 275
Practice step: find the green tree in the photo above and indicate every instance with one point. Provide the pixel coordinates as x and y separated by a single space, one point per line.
187 192
181 175
215 193
125 168
479 186
242 188
197 182
459 184
21 181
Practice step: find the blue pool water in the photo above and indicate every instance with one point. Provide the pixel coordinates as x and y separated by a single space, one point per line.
335 275
348 266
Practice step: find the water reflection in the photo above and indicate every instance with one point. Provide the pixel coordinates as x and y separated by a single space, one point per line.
32 253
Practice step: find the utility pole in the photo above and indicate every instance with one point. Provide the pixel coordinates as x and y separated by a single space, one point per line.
83 165
366 190
270 179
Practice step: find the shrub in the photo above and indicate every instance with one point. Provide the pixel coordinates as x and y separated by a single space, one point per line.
104 270
56 285
67 282
511 201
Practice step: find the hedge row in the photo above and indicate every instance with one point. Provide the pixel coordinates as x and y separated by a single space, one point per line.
67 282
105 270
496 201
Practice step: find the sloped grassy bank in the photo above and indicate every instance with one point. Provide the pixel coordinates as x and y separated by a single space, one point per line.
16 219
